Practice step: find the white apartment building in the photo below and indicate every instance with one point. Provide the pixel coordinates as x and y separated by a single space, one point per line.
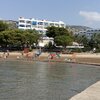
39 25
89 32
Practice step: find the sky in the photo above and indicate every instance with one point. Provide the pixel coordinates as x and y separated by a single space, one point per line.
72 12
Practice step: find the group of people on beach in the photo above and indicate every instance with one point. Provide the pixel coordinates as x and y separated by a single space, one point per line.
5 54
34 55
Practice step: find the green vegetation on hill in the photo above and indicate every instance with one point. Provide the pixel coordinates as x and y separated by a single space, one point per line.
76 28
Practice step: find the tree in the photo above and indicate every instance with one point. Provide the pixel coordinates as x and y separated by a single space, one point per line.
52 31
18 38
57 31
82 40
62 37
95 41
3 26
12 26
63 40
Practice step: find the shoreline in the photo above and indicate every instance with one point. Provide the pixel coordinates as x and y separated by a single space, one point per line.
81 58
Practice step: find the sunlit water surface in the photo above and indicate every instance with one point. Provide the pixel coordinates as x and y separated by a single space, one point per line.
20 80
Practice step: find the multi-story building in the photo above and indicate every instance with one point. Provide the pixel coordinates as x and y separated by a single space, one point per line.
89 32
39 25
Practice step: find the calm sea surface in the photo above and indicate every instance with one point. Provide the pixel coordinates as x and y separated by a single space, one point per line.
20 80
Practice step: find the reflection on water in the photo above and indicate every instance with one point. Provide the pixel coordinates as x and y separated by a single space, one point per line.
43 80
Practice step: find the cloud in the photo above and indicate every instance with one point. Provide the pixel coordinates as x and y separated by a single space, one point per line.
90 16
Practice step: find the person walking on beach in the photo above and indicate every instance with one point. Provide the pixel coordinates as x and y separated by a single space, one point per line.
37 53
7 53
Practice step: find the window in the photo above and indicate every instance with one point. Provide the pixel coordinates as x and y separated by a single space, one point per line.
51 24
28 22
22 21
34 23
62 25
57 25
88 30
28 25
45 24
40 23
40 26
22 25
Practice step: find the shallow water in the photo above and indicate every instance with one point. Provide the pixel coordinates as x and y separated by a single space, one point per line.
21 80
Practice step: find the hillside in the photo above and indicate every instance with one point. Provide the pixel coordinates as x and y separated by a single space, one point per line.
76 28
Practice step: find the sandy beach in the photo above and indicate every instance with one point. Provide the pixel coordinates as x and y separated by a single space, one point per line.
87 58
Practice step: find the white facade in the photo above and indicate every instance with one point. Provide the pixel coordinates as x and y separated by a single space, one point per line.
39 25
89 32
45 41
